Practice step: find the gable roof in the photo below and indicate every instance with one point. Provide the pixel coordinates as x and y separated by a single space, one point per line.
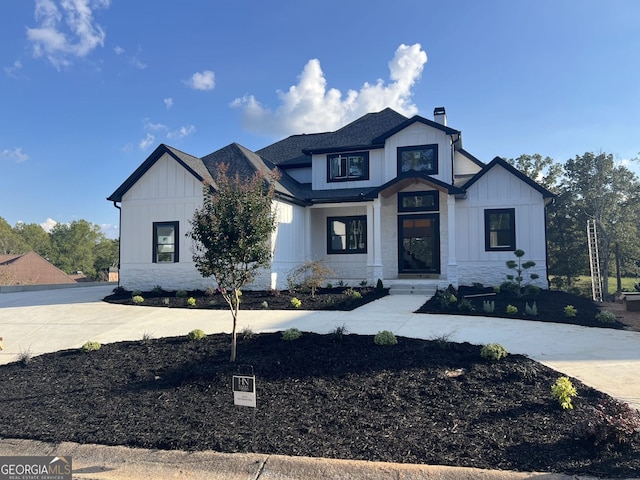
409 177
30 269
508 167
410 121
193 164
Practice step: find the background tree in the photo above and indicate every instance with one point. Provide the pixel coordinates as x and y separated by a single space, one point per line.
232 233
73 245
106 254
35 237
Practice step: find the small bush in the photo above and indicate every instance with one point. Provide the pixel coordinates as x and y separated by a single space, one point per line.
181 294
310 276
191 302
137 299
564 391
532 290
493 351
338 333
352 293
509 287
511 310
385 337
25 356
379 285
570 311
296 302
157 289
265 304
488 306
609 423
606 317
247 333
166 301
119 291
465 305
443 341
90 346
531 310
136 293
146 337
196 334
291 334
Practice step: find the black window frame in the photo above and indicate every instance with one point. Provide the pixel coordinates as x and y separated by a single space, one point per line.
345 159
511 229
434 194
176 242
331 250
429 171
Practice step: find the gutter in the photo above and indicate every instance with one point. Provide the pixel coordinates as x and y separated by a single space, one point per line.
115 204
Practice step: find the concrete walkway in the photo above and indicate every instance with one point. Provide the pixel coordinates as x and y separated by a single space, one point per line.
40 322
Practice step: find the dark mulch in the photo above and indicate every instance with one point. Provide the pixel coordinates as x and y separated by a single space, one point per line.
337 298
550 305
320 395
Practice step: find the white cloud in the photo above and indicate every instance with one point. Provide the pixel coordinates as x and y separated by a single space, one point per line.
118 50
147 141
76 36
14 155
168 102
109 230
155 127
48 225
181 132
13 69
202 81
309 107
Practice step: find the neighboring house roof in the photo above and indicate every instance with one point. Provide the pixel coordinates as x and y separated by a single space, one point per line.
507 166
30 269
191 163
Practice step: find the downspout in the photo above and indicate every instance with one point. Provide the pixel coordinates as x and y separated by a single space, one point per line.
115 204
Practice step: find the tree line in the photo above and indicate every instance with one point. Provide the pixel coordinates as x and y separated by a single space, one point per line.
79 246
588 187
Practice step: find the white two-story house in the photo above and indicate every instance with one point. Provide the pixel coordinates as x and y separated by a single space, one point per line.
384 197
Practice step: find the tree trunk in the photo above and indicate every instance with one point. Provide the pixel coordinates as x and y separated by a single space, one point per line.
618 274
234 332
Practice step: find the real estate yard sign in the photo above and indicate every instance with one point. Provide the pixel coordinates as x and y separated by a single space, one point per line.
244 390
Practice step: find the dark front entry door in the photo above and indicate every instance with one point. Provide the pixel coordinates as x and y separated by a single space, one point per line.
419 243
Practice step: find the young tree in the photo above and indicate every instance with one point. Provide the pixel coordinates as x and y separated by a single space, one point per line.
232 233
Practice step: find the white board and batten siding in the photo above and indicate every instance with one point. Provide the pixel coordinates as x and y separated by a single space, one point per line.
499 189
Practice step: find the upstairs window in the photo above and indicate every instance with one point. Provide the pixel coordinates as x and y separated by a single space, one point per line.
420 158
348 166
165 242
347 234
500 230
418 201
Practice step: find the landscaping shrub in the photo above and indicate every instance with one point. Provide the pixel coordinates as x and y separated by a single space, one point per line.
310 275
291 334
181 294
338 333
493 351
511 310
137 299
465 305
531 310
379 285
564 391
385 337
90 346
191 302
196 334
351 292
610 423
520 267
488 306
606 317
570 311
296 302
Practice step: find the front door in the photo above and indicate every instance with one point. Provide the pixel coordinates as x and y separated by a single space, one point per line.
419 243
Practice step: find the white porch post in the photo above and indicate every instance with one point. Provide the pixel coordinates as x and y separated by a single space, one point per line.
452 264
374 239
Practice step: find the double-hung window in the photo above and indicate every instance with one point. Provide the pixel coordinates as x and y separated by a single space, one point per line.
500 229
348 166
165 242
347 234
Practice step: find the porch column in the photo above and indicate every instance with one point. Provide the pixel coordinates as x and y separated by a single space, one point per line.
374 255
452 264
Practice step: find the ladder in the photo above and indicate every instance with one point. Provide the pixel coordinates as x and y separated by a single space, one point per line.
594 261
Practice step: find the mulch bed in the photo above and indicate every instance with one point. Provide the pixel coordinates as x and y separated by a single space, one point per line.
550 305
337 298
419 401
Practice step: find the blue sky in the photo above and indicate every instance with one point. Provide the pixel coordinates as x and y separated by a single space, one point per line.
88 88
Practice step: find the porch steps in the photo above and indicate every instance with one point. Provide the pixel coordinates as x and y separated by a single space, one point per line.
411 288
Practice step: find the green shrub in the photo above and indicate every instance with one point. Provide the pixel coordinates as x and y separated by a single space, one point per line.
531 310
532 290
563 391
137 299
291 334
90 346
181 294
136 293
520 267
309 276
265 304
488 306
296 302
247 333
191 302
509 287
493 351
570 311
606 317
385 337
511 310
196 334
352 293
338 333
379 285
609 423
157 289
465 305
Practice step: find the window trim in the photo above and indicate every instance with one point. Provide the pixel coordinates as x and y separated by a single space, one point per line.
487 229
401 150
176 244
347 178
347 219
428 193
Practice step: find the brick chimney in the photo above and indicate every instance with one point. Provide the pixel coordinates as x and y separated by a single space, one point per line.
440 116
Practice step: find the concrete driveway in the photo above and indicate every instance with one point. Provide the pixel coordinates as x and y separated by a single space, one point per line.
51 320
